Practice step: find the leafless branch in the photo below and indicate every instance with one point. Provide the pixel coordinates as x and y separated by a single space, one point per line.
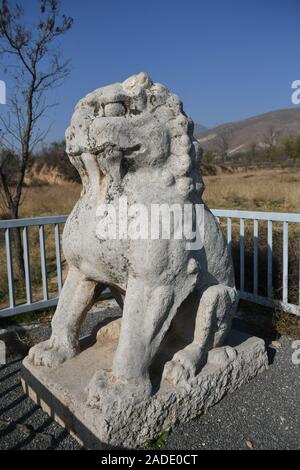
36 67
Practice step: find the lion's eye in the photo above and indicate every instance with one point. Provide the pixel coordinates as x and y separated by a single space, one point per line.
114 109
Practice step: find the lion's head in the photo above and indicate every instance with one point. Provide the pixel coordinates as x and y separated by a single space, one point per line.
132 125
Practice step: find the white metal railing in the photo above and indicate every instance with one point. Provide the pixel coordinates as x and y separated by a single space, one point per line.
270 217
229 215
24 224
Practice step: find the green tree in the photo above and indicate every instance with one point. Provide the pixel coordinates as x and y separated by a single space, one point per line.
292 147
209 157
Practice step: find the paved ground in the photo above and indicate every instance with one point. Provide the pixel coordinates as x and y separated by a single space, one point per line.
264 414
22 424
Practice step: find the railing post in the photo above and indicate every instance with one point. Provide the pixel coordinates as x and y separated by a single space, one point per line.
10 269
242 255
58 257
270 260
27 265
255 257
285 262
229 234
43 261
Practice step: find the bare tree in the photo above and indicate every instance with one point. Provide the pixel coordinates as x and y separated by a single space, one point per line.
252 152
270 140
34 67
223 142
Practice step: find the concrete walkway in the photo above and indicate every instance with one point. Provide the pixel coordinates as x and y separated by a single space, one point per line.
265 414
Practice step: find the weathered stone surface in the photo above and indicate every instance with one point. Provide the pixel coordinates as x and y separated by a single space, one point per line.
62 392
132 140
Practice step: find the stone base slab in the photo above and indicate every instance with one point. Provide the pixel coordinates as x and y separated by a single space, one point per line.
62 392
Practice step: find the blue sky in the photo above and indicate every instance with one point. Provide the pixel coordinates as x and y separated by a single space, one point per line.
226 59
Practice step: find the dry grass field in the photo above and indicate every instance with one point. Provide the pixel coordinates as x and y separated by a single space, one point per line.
57 199
263 190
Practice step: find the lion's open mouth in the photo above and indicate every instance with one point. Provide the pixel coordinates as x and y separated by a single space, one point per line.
131 151
113 150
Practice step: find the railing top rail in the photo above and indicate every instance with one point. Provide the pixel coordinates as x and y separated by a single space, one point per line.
13 223
234 214
274 216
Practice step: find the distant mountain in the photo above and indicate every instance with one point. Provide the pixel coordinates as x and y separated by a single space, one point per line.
240 135
199 129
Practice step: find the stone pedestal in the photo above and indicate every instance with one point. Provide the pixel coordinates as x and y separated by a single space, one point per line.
61 392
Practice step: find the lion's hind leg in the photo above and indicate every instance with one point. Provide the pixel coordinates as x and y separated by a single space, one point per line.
213 322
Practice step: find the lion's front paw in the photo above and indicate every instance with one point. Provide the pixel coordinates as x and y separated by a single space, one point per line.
183 367
51 353
106 391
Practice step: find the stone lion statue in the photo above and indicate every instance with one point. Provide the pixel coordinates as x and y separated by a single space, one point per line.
133 139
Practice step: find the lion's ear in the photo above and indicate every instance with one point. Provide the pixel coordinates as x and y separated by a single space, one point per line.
141 80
